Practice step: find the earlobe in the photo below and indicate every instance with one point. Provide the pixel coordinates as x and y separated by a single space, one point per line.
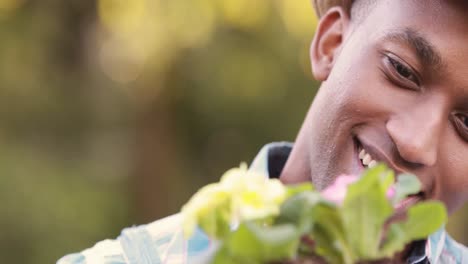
328 41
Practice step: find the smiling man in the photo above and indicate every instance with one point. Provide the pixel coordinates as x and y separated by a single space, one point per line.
394 89
395 86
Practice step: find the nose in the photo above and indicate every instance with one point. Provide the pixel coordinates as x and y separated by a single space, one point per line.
416 131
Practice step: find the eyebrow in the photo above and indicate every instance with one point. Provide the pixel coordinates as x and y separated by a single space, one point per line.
425 51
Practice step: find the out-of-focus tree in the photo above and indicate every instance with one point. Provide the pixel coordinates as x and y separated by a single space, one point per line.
113 112
204 77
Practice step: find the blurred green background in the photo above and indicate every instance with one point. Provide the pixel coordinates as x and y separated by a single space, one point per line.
113 112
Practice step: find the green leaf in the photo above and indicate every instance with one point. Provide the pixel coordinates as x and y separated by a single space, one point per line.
424 219
223 256
394 242
299 188
365 211
406 185
329 234
297 210
252 243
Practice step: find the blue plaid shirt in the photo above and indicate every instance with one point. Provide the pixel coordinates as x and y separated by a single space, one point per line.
163 242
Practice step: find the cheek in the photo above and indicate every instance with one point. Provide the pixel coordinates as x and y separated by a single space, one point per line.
364 98
453 176
454 191
359 92
451 184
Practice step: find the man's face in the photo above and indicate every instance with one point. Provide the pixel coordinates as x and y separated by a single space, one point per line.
397 88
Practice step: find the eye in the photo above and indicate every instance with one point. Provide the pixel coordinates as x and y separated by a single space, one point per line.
400 73
464 120
403 71
461 124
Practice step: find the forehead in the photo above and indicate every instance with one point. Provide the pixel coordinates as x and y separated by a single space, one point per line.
441 25
444 23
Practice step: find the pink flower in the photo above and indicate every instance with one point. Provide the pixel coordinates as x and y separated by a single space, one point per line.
337 191
391 192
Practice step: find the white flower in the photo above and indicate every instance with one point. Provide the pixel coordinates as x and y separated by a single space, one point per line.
204 209
241 195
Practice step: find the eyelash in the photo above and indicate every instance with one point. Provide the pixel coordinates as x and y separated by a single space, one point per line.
461 124
403 73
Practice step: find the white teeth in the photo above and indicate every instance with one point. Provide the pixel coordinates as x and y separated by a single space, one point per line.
367 159
362 153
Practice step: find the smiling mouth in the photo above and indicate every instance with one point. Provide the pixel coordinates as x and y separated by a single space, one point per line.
368 161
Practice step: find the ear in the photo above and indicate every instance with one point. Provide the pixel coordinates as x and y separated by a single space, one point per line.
328 41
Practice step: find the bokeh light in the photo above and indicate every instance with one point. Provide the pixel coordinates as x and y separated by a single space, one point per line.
123 17
299 18
245 14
